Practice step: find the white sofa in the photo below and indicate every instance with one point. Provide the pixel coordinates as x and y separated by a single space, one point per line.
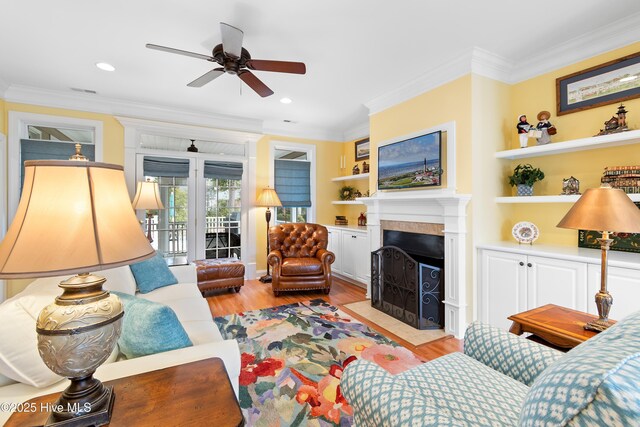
18 337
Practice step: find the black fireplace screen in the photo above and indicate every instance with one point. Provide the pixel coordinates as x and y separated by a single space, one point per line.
406 289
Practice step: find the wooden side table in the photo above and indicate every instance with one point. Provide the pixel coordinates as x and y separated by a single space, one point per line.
560 326
193 394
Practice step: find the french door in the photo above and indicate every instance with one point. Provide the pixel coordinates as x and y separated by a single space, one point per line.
203 207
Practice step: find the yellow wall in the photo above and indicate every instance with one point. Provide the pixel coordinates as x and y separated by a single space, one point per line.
530 97
448 102
327 167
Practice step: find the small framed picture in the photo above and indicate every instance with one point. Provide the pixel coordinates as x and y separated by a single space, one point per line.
608 83
362 149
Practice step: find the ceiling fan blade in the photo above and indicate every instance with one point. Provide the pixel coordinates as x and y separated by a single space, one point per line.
255 83
277 66
207 77
179 52
231 39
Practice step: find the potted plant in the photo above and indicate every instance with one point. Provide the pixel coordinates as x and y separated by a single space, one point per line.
524 176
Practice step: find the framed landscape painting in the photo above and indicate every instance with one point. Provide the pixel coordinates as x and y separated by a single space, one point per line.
607 83
362 149
414 162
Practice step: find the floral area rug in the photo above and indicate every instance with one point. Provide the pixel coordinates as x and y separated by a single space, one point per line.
293 357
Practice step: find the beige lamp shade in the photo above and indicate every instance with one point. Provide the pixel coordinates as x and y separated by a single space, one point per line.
603 209
73 217
268 198
147 196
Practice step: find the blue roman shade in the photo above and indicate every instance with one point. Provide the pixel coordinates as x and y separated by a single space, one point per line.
222 170
164 166
31 149
293 183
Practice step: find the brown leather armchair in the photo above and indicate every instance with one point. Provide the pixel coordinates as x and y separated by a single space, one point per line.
299 257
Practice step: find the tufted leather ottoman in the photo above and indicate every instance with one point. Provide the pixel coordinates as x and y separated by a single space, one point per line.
221 273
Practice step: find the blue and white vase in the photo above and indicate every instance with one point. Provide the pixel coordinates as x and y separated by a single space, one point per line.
525 190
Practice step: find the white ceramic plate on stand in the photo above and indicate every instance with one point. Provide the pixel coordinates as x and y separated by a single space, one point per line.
525 232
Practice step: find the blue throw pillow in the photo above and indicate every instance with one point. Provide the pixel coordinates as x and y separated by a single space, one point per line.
152 274
149 327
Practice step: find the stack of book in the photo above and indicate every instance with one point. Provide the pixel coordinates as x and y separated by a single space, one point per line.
341 220
626 178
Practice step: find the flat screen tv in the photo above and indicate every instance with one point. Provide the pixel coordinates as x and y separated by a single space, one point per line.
414 162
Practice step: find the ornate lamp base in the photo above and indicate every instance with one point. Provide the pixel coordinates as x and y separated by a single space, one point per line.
598 325
64 413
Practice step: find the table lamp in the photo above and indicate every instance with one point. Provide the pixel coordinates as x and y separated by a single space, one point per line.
268 198
148 197
75 217
607 210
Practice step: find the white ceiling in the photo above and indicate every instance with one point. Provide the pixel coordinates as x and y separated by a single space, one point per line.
355 50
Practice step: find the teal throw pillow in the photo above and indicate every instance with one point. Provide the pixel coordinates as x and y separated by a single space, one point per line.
149 327
152 274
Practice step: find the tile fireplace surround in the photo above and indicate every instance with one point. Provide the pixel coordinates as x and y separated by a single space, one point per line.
428 211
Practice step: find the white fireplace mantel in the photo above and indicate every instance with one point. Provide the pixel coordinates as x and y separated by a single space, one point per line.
437 207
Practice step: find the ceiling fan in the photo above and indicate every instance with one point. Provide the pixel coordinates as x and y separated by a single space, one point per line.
234 59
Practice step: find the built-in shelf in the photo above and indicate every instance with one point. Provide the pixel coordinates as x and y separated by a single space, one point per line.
591 143
550 199
346 202
351 177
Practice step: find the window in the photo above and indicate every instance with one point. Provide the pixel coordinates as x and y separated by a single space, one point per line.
293 180
43 137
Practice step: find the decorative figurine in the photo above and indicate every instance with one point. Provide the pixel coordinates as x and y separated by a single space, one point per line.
545 127
570 186
523 129
355 170
615 124
365 167
357 194
362 220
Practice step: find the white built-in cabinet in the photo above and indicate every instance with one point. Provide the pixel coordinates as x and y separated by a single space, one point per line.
353 256
515 278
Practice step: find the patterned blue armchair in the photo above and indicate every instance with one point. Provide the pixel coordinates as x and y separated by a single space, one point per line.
505 380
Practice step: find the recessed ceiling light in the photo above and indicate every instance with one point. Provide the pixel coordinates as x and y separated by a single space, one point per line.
628 79
286 100
105 66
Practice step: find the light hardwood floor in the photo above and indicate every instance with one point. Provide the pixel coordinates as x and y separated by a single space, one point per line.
255 295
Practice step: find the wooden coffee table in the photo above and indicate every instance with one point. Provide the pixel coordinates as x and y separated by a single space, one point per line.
193 394
560 326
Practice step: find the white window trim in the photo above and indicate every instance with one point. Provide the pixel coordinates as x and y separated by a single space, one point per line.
133 128
311 157
18 123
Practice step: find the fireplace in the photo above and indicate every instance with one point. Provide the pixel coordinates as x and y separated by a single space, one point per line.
407 278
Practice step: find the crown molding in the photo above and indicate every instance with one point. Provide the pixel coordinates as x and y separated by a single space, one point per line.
358 131
294 130
441 74
616 35
489 64
116 107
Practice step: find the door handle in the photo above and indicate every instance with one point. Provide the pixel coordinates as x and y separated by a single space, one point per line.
529 264
521 264
354 237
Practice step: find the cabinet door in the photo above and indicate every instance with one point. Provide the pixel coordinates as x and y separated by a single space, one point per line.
363 258
556 281
349 250
624 286
335 245
503 284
